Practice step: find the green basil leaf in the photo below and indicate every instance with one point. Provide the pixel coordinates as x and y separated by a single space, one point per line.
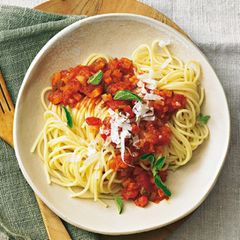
126 95
203 118
154 171
160 162
119 203
96 78
150 157
69 117
161 185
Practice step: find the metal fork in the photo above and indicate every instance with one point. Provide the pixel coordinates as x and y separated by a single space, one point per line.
52 222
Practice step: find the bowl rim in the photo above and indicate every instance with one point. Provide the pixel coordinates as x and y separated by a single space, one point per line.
92 19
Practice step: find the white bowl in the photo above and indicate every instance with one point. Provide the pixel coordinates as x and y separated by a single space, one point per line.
118 35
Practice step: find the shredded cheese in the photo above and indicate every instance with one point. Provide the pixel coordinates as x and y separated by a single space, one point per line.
120 130
148 79
142 110
151 96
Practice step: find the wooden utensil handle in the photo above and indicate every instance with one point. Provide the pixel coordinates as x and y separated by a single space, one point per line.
53 224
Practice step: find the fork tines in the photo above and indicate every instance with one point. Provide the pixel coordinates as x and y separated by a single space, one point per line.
5 100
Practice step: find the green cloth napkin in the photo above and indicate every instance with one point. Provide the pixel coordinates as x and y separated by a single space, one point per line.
23 32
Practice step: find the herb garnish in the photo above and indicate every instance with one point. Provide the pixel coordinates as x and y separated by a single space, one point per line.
96 78
119 203
203 118
126 95
69 117
156 166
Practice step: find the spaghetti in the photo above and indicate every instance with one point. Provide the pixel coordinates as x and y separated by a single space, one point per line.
117 108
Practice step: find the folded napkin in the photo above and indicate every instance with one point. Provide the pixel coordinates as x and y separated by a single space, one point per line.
23 32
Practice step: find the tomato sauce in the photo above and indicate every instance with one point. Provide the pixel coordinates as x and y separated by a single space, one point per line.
70 86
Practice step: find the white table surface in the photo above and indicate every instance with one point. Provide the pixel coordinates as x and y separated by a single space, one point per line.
215 27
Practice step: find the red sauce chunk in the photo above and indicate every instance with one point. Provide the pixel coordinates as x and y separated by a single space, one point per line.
93 121
70 86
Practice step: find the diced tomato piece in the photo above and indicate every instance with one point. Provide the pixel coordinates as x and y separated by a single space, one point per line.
131 191
93 121
104 136
93 91
64 73
56 80
73 86
114 87
116 75
113 64
107 80
117 163
56 97
116 104
161 194
106 122
141 201
106 130
163 175
164 136
127 181
164 93
81 70
137 171
144 180
82 79
125 63
77 97
106 97
133 80
97 65
128 109
178 101
129 194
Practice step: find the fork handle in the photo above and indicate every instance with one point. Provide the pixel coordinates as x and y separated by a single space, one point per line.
53 224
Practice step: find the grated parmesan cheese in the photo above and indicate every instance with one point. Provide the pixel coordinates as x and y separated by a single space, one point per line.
149 118
151 96
142 110
120 130
148 79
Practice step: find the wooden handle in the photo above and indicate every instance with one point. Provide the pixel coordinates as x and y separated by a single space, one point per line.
6 122
53 224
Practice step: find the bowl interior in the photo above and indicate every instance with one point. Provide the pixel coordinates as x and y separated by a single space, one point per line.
118 35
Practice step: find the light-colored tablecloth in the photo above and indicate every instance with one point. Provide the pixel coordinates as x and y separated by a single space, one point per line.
215 27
